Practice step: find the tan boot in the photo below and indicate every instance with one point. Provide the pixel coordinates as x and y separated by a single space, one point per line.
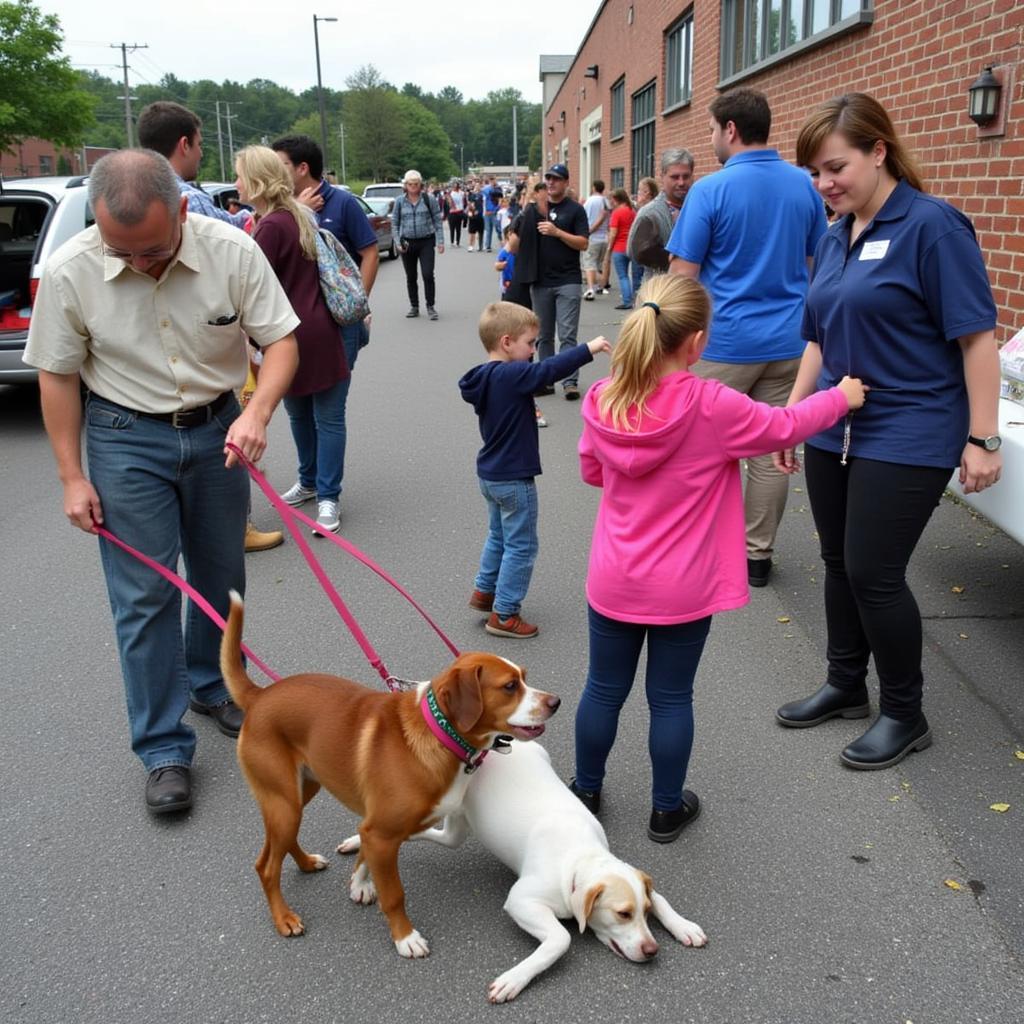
256 540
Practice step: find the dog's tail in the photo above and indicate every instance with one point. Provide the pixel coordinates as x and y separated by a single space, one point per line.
241 687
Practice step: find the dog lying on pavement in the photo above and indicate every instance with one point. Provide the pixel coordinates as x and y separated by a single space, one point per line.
377 752
525 815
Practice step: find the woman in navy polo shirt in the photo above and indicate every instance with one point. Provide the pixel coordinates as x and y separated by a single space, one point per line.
899 297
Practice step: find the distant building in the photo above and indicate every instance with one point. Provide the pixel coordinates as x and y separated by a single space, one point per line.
646 71
34 158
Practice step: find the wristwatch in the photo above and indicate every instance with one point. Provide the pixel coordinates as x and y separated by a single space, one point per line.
990 443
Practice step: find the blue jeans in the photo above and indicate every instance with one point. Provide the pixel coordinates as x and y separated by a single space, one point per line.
620 260
506 562
557 307
638 276
490 225
673 654
166 492
318 425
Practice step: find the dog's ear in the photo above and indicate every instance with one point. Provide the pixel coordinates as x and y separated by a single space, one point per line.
582 901
647 882
465 702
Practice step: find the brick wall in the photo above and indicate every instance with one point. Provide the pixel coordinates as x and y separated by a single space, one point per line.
918 58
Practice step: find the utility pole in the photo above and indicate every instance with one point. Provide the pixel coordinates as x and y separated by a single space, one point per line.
124 48
515 144
341 129
229 117
220 142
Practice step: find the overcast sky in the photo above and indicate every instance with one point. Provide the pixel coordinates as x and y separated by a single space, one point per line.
474 46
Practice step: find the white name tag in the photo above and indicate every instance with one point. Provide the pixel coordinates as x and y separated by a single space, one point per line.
874 250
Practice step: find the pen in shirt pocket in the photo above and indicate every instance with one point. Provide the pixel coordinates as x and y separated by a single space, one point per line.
223 321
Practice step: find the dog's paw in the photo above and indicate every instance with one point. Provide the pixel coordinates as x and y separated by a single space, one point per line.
507 986
289 924
412 946
313 862
361 888
688 933
350 845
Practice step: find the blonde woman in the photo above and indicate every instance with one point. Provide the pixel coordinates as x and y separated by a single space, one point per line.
286 232
659 569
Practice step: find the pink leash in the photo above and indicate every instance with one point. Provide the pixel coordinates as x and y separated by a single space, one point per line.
289 517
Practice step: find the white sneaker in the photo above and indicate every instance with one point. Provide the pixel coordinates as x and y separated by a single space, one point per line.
298 495
589 295
541 422
327 516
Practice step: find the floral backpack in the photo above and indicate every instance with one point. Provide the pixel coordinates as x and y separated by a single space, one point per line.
340 280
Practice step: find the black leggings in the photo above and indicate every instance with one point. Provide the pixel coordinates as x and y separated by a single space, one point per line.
455 226
870 516
420 250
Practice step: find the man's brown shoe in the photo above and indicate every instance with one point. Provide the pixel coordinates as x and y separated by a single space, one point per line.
257 540
481 602
513 626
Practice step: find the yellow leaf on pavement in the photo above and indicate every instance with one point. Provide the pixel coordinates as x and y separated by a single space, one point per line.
950 884
1019 754
783 619
1001 808
957 590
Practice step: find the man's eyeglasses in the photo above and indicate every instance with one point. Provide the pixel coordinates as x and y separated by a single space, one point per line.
153 254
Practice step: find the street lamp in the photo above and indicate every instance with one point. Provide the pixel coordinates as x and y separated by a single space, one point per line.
320 85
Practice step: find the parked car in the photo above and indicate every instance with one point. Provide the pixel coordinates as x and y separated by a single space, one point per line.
388 189
381 224
37 216
221 192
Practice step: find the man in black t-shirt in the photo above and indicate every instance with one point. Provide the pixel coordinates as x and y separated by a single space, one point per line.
557 288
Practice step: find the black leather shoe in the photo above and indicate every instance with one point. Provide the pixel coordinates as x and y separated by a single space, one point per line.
591 799
169 789
886 743
829 702
228 716
666 825
758 571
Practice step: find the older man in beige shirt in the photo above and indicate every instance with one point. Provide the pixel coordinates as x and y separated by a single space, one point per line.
149 308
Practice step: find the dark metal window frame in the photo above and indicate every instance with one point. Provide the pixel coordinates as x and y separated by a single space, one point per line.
751 53
617 102
679 63
642 142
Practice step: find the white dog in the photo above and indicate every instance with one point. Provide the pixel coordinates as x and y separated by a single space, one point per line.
524 814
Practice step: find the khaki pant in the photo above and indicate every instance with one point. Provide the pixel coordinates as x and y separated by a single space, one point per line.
765 490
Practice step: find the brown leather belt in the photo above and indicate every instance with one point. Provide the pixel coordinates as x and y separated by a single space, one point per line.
183 418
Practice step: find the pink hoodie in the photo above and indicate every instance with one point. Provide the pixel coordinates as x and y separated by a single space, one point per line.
669 541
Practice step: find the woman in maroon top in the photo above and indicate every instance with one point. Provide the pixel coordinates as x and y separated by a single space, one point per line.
286 232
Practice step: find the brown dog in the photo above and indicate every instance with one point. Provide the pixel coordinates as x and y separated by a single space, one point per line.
376 753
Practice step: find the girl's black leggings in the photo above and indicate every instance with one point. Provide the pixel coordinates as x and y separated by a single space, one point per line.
870 516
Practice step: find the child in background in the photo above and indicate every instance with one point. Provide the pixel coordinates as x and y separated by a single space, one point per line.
506 262
668 548
501 391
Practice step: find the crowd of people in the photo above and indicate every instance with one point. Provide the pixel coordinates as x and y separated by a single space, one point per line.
752 326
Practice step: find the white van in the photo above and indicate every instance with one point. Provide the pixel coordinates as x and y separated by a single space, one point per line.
384 190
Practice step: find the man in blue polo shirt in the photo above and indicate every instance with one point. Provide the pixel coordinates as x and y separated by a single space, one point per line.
337 210
492 200
748 233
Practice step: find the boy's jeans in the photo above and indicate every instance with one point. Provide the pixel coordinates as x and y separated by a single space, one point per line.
506 562
167 493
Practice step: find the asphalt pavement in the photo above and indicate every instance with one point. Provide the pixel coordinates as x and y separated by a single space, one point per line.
829 896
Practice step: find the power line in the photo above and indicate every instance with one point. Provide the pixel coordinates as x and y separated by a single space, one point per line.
124 48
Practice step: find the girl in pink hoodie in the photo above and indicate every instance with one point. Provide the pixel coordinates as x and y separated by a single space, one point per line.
668 549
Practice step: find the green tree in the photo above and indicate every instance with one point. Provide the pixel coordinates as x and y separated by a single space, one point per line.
535 156
40 95
426 147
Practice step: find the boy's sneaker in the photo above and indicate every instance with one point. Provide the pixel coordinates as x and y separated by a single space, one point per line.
572 393
481 602
513 626
541 422
327 517
298 495
589 295
604 291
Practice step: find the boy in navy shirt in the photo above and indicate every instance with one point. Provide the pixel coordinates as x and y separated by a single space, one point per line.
501 391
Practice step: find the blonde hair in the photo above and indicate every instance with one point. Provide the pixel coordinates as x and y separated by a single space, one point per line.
501 318
862 121
681 307
265 178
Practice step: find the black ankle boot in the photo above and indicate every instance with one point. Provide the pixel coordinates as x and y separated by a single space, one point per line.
887 742
828 702
666 825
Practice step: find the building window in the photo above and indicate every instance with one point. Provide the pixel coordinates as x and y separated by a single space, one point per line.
643 135
45 164
618 109
754 31
618 176
679 62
